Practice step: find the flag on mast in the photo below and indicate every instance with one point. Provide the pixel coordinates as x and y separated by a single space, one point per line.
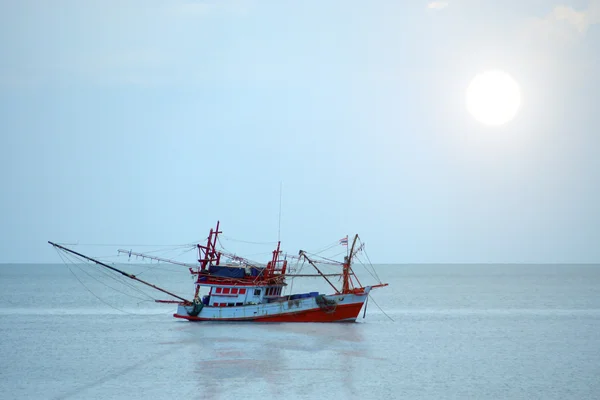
344 241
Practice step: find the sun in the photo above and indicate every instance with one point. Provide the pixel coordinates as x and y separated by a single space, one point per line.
493 98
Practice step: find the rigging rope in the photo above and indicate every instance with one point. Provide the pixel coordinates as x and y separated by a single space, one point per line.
88 289
69 257
366 269
330 261
370 263
329 246
247 241
381 309
110 276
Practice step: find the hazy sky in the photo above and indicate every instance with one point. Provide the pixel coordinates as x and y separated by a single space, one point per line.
147 121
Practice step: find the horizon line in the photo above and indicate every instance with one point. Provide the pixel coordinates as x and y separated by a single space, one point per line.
379 263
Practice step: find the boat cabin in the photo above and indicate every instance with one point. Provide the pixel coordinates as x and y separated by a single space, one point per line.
236 295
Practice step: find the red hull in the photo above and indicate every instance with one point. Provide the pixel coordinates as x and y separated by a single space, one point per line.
342 313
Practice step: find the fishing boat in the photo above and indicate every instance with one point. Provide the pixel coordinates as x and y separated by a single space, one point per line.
232 288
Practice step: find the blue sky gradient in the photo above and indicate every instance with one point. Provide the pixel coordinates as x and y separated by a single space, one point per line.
147 121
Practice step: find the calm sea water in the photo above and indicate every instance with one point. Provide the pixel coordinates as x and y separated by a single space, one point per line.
458 332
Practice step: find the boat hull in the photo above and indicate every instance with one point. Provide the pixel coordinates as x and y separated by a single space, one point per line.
339 308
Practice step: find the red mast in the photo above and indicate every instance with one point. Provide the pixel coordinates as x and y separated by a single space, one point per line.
208 254
272 265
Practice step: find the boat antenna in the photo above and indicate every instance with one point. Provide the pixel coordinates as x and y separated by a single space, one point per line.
279 227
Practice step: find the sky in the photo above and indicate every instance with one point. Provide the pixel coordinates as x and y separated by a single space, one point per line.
145 122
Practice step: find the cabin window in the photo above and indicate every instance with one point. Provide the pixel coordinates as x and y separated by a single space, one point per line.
257 292
218 290
226 290
242 291
239 304
229 304
234 291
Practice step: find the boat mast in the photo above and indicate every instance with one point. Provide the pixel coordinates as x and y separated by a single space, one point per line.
210 250
119 271
210 255
270 270
347 269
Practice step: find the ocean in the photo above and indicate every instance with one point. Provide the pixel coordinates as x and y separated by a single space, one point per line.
436 332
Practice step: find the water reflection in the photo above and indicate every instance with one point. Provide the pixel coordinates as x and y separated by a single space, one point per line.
275 359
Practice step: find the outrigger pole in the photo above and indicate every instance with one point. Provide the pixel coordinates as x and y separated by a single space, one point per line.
119 271
303 254
133 253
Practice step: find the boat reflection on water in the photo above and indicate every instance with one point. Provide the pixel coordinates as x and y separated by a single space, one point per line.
278 358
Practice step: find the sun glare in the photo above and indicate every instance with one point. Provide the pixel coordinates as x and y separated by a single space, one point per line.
493 98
